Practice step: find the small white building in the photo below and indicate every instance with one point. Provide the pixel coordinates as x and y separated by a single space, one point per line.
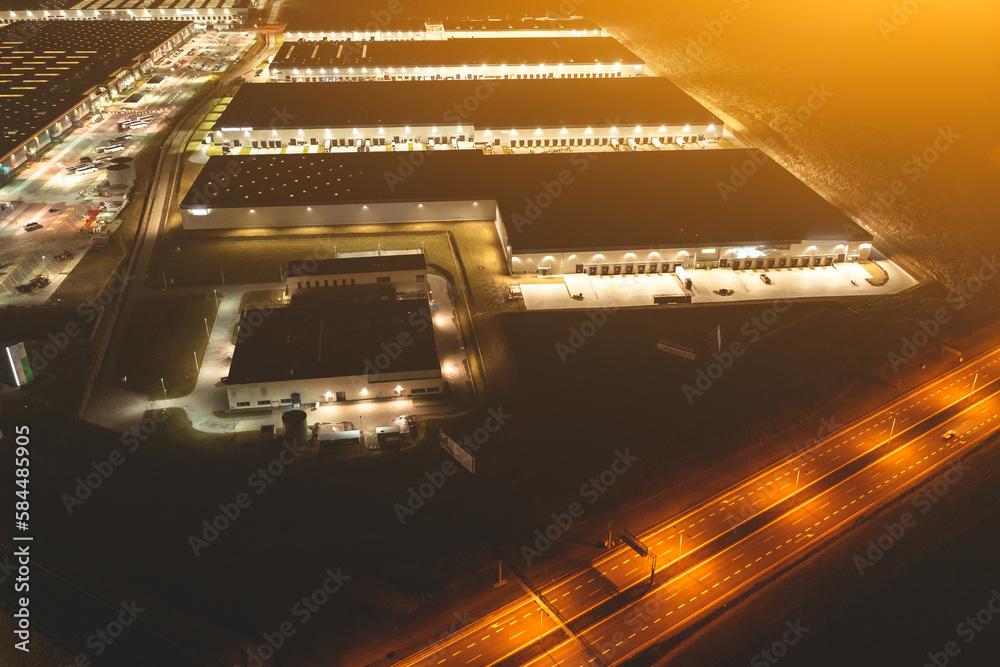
405 272
293 356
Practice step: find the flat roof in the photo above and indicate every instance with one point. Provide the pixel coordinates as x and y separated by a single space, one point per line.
363 264
395 25
333 340
507 103
510 51
608 199
48 67
120 5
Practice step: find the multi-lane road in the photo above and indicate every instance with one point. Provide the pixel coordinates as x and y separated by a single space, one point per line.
606 612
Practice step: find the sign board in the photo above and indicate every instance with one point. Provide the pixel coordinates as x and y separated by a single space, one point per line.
462 456
675 349
633 541
19 364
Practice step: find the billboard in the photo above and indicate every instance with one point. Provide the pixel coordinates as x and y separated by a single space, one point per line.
462 456
19 365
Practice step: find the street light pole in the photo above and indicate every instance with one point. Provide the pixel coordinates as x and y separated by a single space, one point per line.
198 370
207 334
216 293
164 389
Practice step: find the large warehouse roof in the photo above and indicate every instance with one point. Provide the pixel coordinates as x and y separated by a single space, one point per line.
510 103
54 7
606 200
511 51
336 340
47 67
407 26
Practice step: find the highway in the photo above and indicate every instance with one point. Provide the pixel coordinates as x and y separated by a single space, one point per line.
848 470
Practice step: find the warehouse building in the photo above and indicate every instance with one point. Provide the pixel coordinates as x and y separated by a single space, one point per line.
323 354
490 28
554 213
518 113
220 13
406 272
425 60
56 73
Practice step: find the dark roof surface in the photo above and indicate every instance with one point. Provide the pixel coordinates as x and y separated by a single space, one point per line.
419 25
508 103
333 340
510 51
364 264
606 200
46 67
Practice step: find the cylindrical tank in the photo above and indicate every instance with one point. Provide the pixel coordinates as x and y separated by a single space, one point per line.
121 174
126 160
296 426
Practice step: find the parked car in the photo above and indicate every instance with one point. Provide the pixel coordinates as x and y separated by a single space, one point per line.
723 291
765 279
411 423
39 281
32 227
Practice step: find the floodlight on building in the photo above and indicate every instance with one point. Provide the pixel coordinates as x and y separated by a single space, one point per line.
538 130
708 251
618 65
364 206
588 131
562 131
364 391
399 388
251 210
434 129
711 128
329 394
638 129
614 130
199 211
687 128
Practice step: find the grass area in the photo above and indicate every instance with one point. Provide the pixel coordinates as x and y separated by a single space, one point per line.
161 343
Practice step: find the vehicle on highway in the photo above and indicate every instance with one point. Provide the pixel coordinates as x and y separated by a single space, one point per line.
32 227
949 435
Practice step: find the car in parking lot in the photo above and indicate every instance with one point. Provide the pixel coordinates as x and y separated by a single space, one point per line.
32 227
723 291
766 279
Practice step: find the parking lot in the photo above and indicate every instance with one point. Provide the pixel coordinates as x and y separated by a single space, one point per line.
52 197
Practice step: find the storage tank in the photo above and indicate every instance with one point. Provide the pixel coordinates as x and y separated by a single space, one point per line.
126 160
296 427
121 174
